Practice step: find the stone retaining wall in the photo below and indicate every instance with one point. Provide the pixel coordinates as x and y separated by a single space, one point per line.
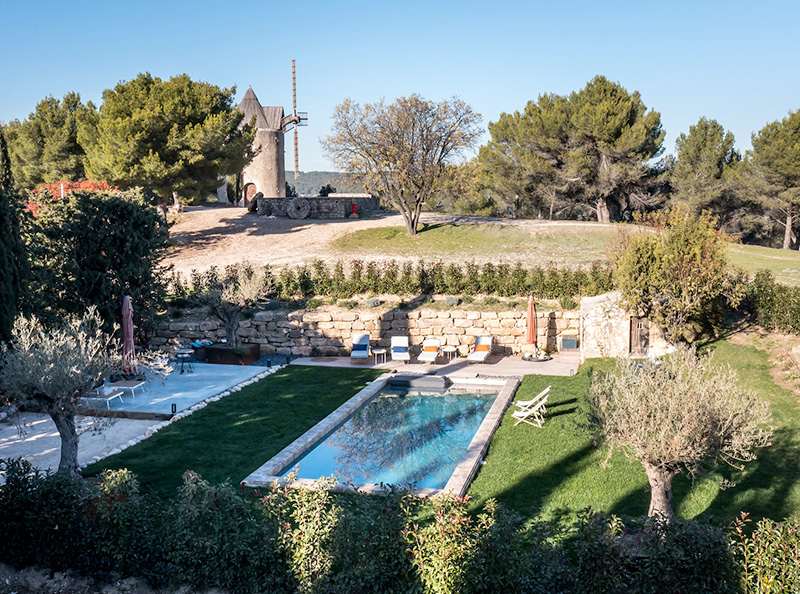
321 207
330 331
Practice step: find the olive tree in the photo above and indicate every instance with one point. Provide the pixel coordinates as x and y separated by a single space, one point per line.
50 369
682 414
400 151
240 287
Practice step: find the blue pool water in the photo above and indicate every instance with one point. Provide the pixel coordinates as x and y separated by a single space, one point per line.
399 437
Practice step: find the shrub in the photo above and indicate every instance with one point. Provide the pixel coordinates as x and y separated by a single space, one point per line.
451 300
775 306
215 540
767 555
373 302
567 302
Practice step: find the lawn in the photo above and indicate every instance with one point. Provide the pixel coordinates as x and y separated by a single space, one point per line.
557 469
232 437
563 243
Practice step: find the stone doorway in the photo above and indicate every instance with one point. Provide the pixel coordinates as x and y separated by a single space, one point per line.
249 192
640 337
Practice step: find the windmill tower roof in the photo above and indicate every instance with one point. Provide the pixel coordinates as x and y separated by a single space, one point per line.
266 117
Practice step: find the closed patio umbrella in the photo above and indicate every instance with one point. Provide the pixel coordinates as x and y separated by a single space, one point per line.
128 348
530 334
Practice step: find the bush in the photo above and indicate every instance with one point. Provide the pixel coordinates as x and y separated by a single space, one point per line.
775 306
768 555
216 540
301 540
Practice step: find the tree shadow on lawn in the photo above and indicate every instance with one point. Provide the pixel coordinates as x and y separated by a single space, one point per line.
768 486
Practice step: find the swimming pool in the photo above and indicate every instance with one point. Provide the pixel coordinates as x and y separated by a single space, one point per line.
401 436
432 439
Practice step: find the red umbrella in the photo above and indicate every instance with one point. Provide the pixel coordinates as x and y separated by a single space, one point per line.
128 349
530 334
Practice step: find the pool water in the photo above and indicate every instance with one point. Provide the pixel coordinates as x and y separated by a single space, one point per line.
399 437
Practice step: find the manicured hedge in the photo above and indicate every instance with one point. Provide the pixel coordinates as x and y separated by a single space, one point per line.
306 541
343 281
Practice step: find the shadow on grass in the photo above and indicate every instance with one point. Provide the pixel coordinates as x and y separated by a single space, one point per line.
768 485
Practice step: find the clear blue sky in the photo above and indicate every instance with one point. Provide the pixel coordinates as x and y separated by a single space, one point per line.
735 61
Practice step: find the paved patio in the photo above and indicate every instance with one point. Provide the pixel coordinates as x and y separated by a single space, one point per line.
184 390
38 441
562 363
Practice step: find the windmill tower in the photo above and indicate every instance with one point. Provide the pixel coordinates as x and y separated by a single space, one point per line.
267 172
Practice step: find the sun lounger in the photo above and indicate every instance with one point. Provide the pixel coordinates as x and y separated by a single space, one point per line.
400 349
360 347
481 350
430 350
105 395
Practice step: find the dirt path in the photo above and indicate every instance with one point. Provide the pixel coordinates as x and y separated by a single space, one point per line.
207 236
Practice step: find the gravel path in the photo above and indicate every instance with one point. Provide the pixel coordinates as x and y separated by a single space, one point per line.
222 235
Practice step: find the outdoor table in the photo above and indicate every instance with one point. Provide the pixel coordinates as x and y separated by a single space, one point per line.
379 353
184 356
450 352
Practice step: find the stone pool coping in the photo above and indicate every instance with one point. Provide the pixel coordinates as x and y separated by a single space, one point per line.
459 481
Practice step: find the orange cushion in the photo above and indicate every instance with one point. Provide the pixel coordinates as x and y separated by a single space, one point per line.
430 348
481 347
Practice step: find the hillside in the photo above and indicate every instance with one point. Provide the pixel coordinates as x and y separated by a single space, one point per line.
311 181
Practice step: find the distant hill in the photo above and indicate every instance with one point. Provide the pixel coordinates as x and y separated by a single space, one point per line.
311 181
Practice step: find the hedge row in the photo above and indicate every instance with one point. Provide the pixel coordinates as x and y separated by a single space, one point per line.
343 281
775 306
313 541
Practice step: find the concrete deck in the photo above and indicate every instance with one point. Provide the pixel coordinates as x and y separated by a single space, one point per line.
563 363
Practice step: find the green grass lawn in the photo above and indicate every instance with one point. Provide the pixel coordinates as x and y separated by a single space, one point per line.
557 469
563 243
232 437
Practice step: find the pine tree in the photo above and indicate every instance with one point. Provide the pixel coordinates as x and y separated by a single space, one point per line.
175 136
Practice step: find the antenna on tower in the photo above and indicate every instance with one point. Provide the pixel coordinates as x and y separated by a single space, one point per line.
295 120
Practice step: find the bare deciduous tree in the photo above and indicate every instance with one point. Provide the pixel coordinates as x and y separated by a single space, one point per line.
681 414
400 151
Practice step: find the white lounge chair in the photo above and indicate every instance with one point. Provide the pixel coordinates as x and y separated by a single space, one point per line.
481 350
400 349
360 347
533 415
523 404
430 350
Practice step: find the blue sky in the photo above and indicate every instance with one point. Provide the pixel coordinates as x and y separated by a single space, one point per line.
737 62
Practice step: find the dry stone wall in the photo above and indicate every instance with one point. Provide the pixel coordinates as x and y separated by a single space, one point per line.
329 332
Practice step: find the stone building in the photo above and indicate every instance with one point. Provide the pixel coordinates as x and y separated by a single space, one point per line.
266 173
607 329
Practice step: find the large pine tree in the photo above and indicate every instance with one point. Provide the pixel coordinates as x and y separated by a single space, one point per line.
592 148
168 136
